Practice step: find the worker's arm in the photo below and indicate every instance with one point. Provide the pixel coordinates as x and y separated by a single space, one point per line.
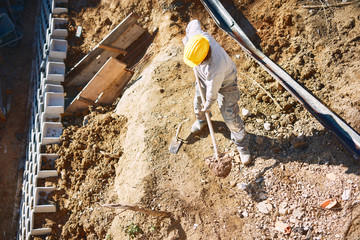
192 29
213 85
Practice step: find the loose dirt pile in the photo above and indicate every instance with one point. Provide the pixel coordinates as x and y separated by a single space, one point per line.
298 164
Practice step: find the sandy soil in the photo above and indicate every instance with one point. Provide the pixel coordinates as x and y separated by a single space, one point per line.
120 154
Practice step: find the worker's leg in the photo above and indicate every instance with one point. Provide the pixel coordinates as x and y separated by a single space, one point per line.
200 116
229 108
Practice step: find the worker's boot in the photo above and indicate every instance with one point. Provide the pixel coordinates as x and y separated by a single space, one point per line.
245 155
198 126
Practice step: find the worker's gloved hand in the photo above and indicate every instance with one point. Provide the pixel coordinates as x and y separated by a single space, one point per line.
206 108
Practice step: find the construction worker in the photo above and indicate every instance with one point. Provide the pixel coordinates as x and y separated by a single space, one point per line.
218 79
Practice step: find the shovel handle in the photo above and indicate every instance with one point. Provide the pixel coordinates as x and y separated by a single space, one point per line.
207 115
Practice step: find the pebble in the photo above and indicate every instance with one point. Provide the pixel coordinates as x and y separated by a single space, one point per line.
264 207
298 213
237 56
245 213
267 126
274 116
346 194
331 176
283 209
242 186
245 112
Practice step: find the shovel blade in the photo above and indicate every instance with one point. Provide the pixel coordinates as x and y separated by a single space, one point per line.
175 145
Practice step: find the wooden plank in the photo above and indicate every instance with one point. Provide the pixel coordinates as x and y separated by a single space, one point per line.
121 37
112 49
104 78
115 89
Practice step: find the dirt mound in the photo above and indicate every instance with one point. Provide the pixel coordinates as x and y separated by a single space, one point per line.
123 157
89 152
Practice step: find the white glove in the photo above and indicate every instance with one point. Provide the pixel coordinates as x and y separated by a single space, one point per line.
206 107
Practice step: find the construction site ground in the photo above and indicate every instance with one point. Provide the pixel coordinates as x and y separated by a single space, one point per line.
119 153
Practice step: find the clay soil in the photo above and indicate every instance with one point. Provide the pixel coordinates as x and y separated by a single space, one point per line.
119 153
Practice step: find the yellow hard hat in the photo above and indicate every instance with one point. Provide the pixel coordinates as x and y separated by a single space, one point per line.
196 50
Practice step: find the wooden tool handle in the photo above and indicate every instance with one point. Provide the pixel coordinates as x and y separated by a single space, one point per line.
211 129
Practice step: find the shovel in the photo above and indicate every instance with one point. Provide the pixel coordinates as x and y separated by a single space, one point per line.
220 164
176 141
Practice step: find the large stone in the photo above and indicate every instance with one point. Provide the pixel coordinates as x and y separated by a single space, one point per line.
264 207
283 208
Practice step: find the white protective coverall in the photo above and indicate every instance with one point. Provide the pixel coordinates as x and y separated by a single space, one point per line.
218 77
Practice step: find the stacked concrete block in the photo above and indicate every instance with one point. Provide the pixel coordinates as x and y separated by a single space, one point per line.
55 71
59 6
57 50
48 72
58 28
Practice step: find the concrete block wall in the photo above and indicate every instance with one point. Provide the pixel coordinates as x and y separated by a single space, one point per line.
48 72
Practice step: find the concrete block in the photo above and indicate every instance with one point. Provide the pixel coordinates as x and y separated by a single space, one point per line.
55 88
45 82
51 132
54 103
50 117
59 6
41 194
55 71
33 229
58 28
57 50
49 159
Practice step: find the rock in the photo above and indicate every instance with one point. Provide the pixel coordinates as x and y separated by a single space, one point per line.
245 214
264 207
331 176
259 120
298 213
237 56
242 186
346 195
283 209
245 112
274 116
267 126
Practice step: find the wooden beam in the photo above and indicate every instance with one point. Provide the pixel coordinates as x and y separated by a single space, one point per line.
121 37
115 89
103 79
113 49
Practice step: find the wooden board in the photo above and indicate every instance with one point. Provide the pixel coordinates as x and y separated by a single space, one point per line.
116 88
104 78
121 37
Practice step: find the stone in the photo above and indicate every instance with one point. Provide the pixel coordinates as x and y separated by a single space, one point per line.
245 112
331 176
298 213
264 207
245 214
346 195
242 186
283 209
267 126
